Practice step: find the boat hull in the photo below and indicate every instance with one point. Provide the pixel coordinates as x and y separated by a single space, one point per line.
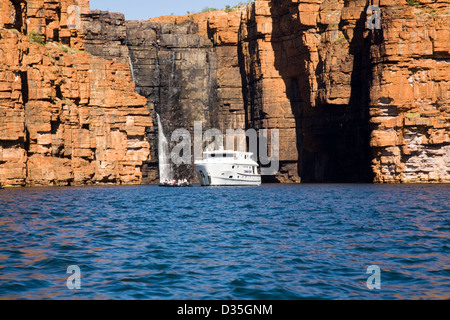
181 185
220 175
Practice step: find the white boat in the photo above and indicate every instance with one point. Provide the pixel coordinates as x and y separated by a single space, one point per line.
227 168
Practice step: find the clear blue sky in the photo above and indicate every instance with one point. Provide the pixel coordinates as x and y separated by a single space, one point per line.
145 9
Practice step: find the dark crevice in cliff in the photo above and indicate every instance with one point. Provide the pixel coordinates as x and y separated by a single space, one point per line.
54 127
336 138
361 80
26 147
294 95
58 92
296 81
244 81
332 139
19 14
24 90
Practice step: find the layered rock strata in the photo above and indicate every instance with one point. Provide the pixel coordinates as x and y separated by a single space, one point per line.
364 105
350 103
188 68
66 117
409 93
174 68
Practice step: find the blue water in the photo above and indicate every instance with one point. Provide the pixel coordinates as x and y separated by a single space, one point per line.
270 242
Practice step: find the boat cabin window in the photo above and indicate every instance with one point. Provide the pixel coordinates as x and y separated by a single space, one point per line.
221 155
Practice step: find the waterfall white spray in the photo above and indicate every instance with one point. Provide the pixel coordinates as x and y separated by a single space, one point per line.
131 68
165 169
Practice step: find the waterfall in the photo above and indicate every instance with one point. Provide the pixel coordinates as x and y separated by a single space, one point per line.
165 169
131 68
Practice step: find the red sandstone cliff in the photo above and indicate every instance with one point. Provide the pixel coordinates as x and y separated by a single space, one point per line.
409 93
370 104
351 104
66 117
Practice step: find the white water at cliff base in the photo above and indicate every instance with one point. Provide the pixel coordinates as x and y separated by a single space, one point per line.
165 169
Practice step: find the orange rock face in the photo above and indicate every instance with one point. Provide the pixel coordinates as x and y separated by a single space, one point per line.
364 105
409 102
66 117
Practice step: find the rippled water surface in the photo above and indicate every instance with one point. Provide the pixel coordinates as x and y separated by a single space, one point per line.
271 242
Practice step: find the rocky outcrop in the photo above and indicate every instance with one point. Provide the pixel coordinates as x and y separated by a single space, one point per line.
66 117
105 35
